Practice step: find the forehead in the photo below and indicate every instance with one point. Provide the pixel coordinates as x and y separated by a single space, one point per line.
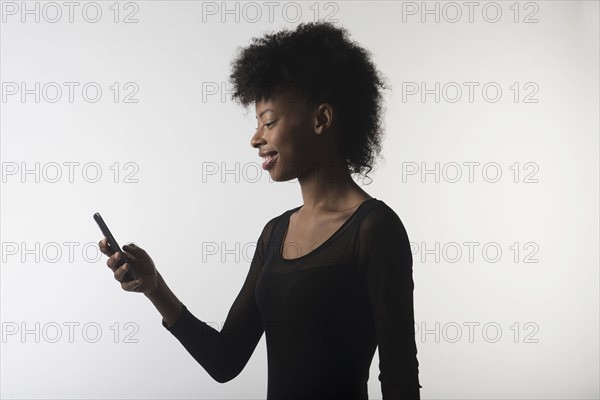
264 104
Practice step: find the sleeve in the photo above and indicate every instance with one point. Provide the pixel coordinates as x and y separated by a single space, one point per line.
387 259
224 354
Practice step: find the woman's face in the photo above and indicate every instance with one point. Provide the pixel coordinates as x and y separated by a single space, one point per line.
285 126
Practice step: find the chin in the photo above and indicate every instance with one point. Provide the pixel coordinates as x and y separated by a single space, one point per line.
279 178
276 177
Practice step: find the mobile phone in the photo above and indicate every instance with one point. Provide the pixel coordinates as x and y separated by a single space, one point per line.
130 274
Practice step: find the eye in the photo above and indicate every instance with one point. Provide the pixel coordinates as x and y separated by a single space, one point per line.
268 124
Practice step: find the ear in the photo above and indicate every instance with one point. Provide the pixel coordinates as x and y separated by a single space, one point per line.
323 118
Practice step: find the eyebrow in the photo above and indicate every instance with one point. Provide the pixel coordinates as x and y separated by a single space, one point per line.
264 111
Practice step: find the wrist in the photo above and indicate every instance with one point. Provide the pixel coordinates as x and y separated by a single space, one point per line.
157 290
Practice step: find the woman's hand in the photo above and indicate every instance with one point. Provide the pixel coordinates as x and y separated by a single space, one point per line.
136 258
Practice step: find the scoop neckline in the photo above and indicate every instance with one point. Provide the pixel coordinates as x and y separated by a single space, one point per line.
287 224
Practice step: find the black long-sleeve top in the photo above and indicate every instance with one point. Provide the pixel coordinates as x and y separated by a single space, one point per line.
323 314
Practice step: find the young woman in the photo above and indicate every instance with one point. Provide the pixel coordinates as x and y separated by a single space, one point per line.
331 280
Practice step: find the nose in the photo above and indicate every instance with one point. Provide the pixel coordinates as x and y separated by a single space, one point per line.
257 139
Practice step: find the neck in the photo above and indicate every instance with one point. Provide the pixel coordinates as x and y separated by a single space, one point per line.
330 187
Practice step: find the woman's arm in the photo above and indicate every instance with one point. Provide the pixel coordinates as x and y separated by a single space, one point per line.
223 354
386 256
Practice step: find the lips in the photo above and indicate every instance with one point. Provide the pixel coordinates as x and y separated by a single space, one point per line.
269 160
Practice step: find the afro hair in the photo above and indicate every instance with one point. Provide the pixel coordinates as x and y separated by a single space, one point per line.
320 62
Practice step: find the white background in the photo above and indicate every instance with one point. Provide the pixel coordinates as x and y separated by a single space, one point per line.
200 222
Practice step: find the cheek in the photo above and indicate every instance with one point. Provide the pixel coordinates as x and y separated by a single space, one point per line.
283 139
291 141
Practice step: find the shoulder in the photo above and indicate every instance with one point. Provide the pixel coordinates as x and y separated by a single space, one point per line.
379 219
382 237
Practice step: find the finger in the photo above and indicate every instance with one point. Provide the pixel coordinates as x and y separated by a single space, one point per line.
104 247
132 286
121 271
130 257
115 261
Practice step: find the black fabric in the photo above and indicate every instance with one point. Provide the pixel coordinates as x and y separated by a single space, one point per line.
323 314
